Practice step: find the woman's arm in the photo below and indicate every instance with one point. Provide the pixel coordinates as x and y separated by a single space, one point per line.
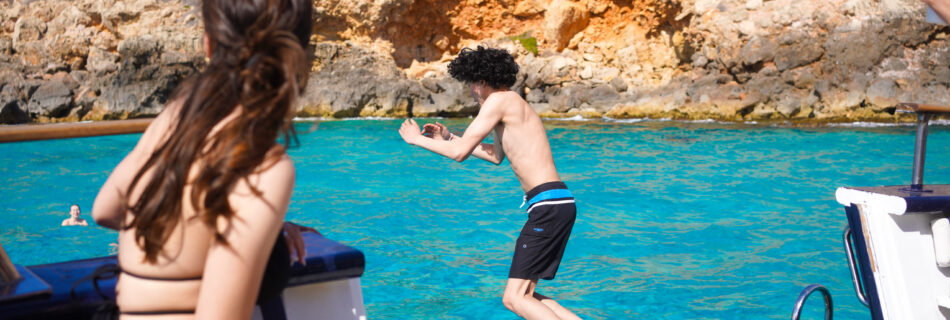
109 208
233 271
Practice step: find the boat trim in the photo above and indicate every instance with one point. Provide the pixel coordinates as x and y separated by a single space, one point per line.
858 285
853 213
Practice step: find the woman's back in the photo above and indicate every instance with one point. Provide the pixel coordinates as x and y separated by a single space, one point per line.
200 200
171 286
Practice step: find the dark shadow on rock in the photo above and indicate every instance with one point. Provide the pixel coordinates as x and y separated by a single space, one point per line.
422 32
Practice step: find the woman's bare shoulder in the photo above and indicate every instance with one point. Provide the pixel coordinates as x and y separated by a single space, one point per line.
278 168
262 199
274 179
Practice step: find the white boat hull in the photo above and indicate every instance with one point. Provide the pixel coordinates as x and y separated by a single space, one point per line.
898 251
331 300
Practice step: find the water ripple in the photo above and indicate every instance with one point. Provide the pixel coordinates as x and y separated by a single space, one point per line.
675 220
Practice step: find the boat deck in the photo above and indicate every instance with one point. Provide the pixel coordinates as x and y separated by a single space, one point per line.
327 260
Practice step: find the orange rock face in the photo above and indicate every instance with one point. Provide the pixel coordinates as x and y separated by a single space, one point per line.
563 20
425 30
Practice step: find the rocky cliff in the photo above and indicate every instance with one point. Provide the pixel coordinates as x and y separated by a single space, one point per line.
737 60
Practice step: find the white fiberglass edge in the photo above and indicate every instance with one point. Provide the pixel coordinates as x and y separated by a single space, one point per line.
331 300
881 202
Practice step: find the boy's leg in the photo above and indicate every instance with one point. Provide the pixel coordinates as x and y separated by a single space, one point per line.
559 310
519 298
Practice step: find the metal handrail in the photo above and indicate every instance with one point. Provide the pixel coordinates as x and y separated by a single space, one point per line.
924 114
920 151
829 307
858 288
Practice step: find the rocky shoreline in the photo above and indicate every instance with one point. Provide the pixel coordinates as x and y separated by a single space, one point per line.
804 61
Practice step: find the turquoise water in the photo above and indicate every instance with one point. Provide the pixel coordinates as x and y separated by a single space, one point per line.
675 220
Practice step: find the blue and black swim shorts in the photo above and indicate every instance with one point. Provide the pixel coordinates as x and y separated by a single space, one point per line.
539 248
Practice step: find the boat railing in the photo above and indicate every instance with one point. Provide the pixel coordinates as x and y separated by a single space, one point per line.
30 132
924 113
855 278
800 303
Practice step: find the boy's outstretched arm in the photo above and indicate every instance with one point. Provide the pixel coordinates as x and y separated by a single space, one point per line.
491 152
456 149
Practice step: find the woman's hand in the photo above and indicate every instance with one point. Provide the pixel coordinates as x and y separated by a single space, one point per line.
293 233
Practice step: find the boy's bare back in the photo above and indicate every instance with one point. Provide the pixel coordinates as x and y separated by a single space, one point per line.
524 140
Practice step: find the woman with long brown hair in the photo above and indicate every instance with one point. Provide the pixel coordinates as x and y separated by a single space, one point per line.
200 200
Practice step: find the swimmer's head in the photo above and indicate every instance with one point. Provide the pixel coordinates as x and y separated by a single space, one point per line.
74 211
495 68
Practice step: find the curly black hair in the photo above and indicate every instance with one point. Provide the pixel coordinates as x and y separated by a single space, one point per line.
496 67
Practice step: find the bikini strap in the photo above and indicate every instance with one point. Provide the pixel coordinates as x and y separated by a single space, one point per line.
157 278
107 271
156 313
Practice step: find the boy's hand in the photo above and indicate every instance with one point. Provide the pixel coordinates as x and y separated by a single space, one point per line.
437 130
410 131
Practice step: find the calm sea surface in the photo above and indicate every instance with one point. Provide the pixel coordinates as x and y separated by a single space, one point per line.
675 220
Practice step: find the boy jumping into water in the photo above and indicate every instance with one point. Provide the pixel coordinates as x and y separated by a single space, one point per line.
520 135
